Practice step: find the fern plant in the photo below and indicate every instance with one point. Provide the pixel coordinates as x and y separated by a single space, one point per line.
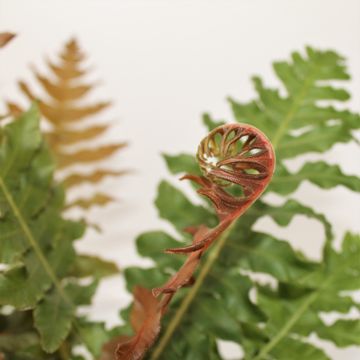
226 302
67 116
41 277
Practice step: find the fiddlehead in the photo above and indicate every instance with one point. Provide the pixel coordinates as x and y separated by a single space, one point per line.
235 155
237 162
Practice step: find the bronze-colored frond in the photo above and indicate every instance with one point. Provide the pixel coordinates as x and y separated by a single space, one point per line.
5 37
232 157
64 110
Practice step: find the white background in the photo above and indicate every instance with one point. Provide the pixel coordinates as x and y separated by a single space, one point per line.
163 63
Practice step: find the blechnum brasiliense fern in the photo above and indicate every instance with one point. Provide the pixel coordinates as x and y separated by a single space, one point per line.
43 280
226 302
42 276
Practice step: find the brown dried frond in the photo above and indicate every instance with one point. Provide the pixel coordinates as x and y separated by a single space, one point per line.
5 37
70 135
98 199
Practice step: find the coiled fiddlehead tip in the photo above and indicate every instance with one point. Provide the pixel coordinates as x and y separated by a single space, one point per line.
237 162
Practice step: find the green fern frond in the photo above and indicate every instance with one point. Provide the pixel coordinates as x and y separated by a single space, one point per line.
227 302
41 275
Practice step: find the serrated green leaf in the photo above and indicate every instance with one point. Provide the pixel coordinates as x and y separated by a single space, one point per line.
152 245
148 278
344 266
180 211
284 214
278 116
216 319
36 243
23 288
299 350
81 294
52 318
343 332
20 145
232 291
319 173
22 139
197 345
294 313
96 335
280 310
263 253
318 139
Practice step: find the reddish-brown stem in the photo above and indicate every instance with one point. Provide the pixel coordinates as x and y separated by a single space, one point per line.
232 157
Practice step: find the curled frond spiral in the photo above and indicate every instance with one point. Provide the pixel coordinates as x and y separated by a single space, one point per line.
237 162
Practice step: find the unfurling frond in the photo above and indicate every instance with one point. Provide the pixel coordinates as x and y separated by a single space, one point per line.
235 158
224 299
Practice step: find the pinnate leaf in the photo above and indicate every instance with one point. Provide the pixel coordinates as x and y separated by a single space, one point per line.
53 318
180 212
41 274
234 300
319 173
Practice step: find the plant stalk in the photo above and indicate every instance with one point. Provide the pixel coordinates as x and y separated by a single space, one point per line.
175 321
